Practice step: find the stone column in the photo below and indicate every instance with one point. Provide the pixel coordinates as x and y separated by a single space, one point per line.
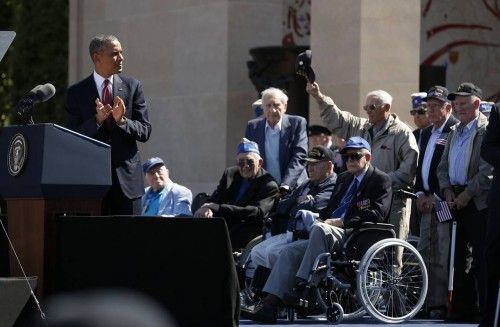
364 45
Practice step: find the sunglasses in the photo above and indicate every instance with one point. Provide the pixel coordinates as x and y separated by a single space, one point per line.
246 162
356 156
371 107
419 111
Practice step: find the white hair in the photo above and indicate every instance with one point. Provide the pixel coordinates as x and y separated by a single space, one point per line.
382 95
274 92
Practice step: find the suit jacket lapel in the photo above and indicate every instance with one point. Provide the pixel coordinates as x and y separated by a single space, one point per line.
261 138
92 93
118 89
361 187
284 136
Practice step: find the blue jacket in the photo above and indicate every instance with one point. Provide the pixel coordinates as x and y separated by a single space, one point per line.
293 146
175 200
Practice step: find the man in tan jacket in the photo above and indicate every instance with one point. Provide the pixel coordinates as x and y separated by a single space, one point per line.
464 179
394 148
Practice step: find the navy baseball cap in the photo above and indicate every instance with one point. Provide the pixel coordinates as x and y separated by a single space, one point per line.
247 146
417 100
437 92
152 162
356 142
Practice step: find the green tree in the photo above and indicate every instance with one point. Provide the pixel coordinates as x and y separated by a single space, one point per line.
38 55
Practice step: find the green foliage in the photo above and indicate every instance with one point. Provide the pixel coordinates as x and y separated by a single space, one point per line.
38 55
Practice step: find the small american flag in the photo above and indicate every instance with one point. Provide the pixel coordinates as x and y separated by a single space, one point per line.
442 211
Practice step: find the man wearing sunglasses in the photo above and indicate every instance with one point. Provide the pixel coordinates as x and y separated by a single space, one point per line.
362 194
244 196
419 114
393 146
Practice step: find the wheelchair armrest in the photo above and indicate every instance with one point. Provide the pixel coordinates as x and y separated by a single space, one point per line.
367 224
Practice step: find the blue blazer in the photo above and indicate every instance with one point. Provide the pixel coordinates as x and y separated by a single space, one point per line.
125 159
293 146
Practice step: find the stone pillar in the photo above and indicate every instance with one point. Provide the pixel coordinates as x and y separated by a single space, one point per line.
364 45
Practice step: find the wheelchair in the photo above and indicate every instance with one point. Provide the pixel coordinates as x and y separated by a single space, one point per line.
372 273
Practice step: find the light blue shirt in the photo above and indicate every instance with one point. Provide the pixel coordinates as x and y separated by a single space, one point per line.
173 200
272 146
359 179
457 168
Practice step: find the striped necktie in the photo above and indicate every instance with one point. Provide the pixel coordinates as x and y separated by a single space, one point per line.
346 200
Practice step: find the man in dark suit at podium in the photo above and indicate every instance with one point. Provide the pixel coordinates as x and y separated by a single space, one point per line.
112 109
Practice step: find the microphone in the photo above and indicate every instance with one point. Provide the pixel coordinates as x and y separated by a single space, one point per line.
39 93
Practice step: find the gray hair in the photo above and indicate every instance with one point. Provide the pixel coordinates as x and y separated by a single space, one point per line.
274 92
382 95
100 42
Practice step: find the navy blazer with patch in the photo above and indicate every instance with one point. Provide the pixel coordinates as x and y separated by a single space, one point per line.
125 159
436 157
293 146
371 203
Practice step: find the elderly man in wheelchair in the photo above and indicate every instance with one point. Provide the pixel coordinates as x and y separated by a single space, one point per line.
306 271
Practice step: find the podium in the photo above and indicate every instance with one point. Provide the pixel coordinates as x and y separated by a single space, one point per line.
47 171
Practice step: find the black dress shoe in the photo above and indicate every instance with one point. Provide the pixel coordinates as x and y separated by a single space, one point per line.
264 313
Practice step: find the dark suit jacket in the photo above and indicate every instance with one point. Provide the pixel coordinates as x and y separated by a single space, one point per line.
372 202
253 205
490 152
436 157
125 159
287 208
293 146
417 134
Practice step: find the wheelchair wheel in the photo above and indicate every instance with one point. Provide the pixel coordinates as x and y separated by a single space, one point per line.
348 300
392 281
335 314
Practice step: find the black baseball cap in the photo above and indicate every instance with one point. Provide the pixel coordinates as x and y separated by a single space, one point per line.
319 153
318 130
466 89
303 66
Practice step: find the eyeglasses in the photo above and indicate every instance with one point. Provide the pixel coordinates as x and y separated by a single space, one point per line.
371 107
419 111
356 156
246 162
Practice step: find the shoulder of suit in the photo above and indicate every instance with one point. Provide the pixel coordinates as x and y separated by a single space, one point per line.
89 80
255 121
295 118
380 173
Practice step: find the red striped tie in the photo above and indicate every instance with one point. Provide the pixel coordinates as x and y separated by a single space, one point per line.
106 99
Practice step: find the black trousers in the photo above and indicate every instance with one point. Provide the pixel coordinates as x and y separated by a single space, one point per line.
117 203
492 257
469 283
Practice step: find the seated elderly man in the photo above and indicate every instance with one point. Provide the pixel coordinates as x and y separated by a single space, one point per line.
244 196
362 194
312 195
163 197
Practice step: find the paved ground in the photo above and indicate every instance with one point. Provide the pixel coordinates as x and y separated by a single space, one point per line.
364 322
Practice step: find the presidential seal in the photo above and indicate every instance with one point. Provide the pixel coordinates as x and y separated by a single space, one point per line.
16 157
